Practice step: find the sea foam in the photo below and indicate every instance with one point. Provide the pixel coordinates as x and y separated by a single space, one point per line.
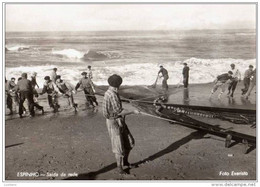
17 48
69 53
201 71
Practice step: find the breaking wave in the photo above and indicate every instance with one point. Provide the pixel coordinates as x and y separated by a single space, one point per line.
17 48
69 53
201 71
89 55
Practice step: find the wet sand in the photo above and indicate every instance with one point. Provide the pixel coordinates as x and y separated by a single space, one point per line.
78 143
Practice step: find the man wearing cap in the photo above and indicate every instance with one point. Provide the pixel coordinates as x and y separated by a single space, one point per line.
121 139
52 90
185 73
165 76
235 78
247 76
54 75
24 86
67 90
220 82
87 87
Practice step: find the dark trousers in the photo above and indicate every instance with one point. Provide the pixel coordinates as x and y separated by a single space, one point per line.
164 84
53 101
29 96
185 82
37 106
90 97
246 84
232 86
9 102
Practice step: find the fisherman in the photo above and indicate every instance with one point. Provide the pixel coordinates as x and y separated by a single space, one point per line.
121 138
14 95
53 77
89 73
90 76
24 86
235 78
67 90
221 81
35 93
252 84
164 74
87 86
52 90
33 80
8 97
185 73
247 76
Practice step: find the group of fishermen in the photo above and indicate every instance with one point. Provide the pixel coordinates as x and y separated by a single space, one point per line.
163 73
231 78
54 85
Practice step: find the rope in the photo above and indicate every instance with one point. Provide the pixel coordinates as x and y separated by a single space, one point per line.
146 114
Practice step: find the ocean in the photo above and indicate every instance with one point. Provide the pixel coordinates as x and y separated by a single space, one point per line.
134 55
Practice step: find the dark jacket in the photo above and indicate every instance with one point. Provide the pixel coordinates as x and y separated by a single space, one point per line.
185 72
224 77
24 85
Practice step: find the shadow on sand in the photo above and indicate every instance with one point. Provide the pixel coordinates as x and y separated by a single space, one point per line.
174 146
13 145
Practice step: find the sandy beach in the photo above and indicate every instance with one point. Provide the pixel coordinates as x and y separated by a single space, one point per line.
69 145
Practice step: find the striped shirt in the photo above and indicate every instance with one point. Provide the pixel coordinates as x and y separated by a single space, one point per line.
112 104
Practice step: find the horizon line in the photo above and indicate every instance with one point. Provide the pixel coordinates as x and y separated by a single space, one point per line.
136 30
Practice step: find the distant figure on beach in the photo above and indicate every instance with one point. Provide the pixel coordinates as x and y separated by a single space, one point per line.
53 77
24 86
52 90
252 84
185 73
235 78
87 86
220 82
247 76
121 138
67 90
89 73
164 74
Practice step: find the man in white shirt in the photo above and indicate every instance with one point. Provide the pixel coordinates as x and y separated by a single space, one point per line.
235 78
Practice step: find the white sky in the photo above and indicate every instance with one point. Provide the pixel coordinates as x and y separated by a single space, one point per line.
89 17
